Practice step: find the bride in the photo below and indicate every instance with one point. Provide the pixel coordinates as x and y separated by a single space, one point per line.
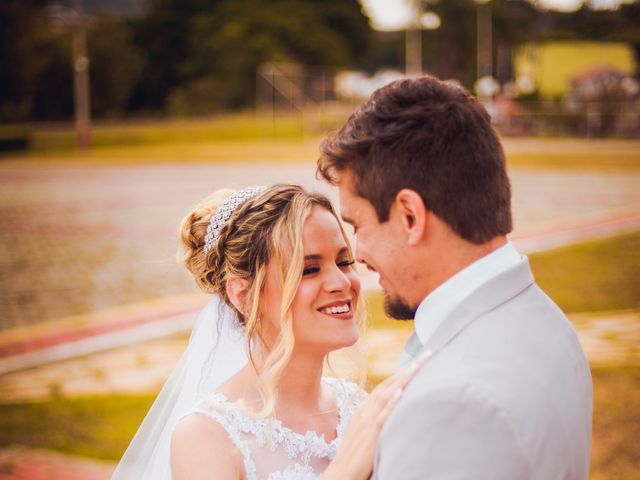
248 399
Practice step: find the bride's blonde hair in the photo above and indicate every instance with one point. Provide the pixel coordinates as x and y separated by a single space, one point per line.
259 231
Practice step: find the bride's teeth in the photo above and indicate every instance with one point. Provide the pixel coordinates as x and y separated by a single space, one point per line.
338 309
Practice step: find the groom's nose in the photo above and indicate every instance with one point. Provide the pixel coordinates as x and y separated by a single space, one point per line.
358 254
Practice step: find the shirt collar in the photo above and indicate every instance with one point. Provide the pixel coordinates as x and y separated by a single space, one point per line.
433 310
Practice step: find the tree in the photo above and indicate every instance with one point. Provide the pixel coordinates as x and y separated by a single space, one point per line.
205 53
35 59
116 64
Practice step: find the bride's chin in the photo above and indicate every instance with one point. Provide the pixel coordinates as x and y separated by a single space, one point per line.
349 341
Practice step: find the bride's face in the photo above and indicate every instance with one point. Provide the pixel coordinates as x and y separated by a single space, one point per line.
324 304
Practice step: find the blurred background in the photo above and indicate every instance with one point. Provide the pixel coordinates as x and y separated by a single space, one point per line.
116 116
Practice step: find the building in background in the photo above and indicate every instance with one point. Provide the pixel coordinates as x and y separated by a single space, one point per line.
549 67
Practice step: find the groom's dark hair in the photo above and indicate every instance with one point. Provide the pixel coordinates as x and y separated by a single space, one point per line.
432 137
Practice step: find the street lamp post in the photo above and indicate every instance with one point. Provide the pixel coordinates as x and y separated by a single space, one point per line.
413 37
484 41
81 92
413 42
75 19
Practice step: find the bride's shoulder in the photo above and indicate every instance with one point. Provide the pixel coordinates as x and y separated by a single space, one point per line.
197 427
199 445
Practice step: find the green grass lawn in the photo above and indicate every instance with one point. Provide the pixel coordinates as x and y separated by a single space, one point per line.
93 426
616 423
225 138
592 276
132 133
250 137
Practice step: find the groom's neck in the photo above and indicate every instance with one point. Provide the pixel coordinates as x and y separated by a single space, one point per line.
451 255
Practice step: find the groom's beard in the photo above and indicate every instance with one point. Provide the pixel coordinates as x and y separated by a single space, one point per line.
398 309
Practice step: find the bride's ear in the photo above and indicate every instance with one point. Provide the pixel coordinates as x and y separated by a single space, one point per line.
237 289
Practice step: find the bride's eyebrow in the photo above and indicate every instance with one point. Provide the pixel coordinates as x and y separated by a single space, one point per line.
315 256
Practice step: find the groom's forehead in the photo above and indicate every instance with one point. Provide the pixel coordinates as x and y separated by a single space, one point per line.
353 208
352 205
347 198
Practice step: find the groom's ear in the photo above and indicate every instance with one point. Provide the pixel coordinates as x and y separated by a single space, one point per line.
237 289
413 214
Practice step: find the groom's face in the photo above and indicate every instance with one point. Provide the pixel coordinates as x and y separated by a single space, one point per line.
379 246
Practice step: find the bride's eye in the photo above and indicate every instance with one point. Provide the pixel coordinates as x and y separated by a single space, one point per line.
310 269
346 263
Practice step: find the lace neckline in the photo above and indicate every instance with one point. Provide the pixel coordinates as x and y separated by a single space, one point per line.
310 437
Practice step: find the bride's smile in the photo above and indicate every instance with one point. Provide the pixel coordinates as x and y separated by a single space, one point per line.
339 309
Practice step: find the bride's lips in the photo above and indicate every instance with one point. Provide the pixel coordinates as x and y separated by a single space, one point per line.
340 309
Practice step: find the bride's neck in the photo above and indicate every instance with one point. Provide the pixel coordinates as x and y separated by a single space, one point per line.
300 383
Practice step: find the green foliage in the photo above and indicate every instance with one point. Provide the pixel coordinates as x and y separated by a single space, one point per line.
457 37
203 55
228 44
35 63
195 56
592 276
116 64
38 83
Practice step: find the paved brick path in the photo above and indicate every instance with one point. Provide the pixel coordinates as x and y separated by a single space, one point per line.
77 239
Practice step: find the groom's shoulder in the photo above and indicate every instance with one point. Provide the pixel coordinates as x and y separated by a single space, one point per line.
518 328
522 358
488 404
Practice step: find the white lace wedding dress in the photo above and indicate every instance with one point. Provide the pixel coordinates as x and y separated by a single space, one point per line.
269 449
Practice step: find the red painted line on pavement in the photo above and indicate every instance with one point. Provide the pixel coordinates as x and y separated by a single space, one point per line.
50 340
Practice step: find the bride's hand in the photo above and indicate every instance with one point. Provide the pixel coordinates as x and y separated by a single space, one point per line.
354 459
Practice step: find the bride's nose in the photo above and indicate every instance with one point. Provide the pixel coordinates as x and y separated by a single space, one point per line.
337 280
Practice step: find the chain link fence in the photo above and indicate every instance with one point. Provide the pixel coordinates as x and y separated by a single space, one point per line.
323 98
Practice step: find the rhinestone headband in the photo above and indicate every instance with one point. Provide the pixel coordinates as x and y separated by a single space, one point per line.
224 211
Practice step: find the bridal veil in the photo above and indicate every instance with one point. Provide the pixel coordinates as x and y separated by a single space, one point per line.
216 351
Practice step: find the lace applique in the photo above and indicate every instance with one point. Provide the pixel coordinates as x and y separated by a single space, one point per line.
297 472
236 439
269 435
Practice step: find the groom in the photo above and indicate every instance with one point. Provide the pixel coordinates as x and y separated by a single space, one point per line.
507 393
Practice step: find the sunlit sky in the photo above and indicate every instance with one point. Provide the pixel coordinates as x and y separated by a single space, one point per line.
394 14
